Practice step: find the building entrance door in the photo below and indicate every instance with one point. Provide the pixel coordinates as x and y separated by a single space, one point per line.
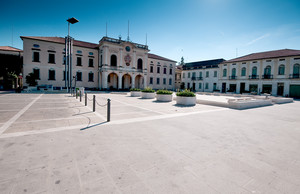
223 87
194 86
280 88
267 89
242 88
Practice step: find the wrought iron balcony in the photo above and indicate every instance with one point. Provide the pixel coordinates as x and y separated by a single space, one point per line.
267 76
200 78
295 76
194 78
253 77
233 77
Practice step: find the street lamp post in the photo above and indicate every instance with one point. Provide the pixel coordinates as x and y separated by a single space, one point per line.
68 56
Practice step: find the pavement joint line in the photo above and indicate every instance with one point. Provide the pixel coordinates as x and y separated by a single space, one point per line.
135 112
58 119
36 132
14 118
138 107
125 121
165 116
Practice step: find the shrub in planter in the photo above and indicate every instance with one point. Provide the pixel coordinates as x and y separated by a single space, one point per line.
135 92
148 93
186 97
164 95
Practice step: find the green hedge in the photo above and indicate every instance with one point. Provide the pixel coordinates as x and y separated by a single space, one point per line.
186 93
148 90
135 89
165 92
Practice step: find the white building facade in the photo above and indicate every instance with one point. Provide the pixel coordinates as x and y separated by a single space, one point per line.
113 64
201 76
274 72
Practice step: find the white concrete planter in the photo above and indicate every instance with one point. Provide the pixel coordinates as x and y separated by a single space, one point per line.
188 101
135 93
164 97
148 95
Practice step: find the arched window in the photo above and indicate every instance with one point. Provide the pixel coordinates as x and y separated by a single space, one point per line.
224 72
267 70
243 73
296 69
254 71
113 60
233 72
281 69
91 77
140 64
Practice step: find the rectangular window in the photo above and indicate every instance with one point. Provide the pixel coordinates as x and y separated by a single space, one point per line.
170 81
64 75
206 85
151 80
207 74
200 85
79 76
165 70
158 70
36 73
151 69
64 60
164 81
91 62
194 75
36 57
91 77
183 75
215 73
171 72
51 75
51 58
189 75
79 61
157 80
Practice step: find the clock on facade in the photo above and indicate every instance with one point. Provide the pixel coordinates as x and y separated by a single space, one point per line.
127 48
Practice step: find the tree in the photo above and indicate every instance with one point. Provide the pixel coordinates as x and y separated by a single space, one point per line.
31 79
181 61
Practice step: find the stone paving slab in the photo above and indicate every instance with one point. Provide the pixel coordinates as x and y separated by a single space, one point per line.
152 149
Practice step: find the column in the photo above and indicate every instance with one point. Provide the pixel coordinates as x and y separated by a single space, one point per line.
121 57
145 65
120 81
104 80
134 59
105 55
133 81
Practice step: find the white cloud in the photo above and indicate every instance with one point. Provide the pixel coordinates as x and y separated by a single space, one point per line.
257 39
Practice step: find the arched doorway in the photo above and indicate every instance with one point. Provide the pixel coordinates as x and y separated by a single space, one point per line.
112 81
139 81
126 82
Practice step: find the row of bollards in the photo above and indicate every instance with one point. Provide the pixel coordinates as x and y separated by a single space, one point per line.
79 93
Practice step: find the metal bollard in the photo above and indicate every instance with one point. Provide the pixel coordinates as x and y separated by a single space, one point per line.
80 96
76 94
108 110
85 98
94 103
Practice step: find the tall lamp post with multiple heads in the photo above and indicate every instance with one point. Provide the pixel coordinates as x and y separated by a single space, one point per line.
68 56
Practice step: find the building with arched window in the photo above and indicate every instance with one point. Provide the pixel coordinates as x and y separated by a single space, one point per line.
112 64
274 72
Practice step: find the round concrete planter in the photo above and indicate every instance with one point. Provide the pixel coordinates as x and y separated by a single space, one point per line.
164 97
135 93
148 95
187 101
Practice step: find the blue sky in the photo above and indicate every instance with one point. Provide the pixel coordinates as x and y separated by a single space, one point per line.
194 29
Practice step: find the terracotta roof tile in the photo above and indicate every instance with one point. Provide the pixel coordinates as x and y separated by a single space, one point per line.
62 41
266 55
9 48
153 56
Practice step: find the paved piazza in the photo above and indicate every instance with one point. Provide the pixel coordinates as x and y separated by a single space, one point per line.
52 143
